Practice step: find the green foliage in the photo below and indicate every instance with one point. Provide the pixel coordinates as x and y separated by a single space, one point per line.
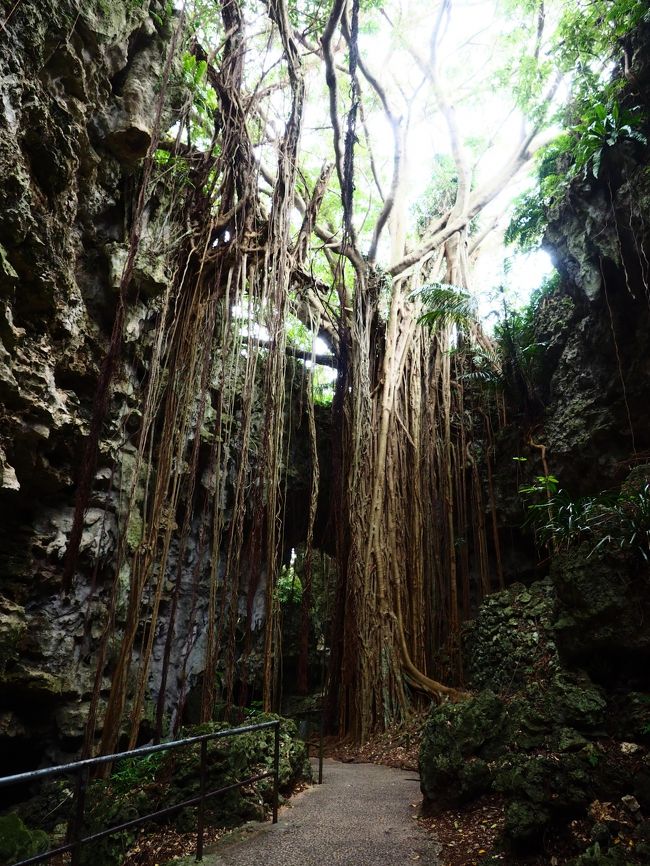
518 347
524 74
18 842
530 77
439 195
592 30
602 127
297 334
547 484
289 587
175 168
204 97
165 15
485 368
133 772
322 386
514 364
204 20
589 37
312 15
445 305
144 785
615 522
531 209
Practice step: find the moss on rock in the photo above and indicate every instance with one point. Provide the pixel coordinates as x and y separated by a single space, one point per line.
596 856
12 629
511 638
535 732
18 842
603 605
458 741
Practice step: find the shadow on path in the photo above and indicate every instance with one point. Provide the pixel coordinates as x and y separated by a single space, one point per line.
362 815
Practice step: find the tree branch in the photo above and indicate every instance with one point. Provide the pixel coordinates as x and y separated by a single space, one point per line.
395 124
301 247
330 79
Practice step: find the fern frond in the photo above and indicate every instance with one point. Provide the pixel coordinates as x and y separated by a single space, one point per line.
446 304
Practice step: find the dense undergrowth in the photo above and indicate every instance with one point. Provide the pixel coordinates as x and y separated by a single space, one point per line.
143 785
611 521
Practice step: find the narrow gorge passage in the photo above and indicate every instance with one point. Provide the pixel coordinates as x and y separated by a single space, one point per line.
324 387
362 815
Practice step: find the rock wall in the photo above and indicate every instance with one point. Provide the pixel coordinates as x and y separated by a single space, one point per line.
550 736
587 411
78 84
594 373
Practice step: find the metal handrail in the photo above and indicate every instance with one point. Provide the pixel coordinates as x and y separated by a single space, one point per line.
82 768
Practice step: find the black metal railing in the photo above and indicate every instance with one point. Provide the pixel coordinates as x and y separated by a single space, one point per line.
82 770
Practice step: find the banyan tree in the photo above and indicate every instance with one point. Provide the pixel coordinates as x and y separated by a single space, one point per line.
278 183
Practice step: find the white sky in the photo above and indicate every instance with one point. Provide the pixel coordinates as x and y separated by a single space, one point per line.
466 52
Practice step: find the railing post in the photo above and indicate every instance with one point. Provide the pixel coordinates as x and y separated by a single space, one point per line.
75 828
320 747
201 821
276 772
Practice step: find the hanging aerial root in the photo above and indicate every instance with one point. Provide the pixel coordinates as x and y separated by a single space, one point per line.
438 692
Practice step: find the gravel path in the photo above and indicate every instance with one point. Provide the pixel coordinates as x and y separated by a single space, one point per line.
362 815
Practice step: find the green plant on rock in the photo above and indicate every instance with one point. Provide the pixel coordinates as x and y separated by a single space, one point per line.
603 127
547 484
532 208
136 771
615 522
165 14
596 29
597 856
603 124
591 39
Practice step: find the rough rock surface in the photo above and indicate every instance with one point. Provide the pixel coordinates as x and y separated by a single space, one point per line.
78 90
540 732
591 374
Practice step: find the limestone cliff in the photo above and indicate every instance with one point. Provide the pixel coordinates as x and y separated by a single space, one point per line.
594 329
78 85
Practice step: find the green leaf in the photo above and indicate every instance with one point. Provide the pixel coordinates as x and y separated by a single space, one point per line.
445 304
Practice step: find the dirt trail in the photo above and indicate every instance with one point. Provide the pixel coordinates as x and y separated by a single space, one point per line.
362 815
